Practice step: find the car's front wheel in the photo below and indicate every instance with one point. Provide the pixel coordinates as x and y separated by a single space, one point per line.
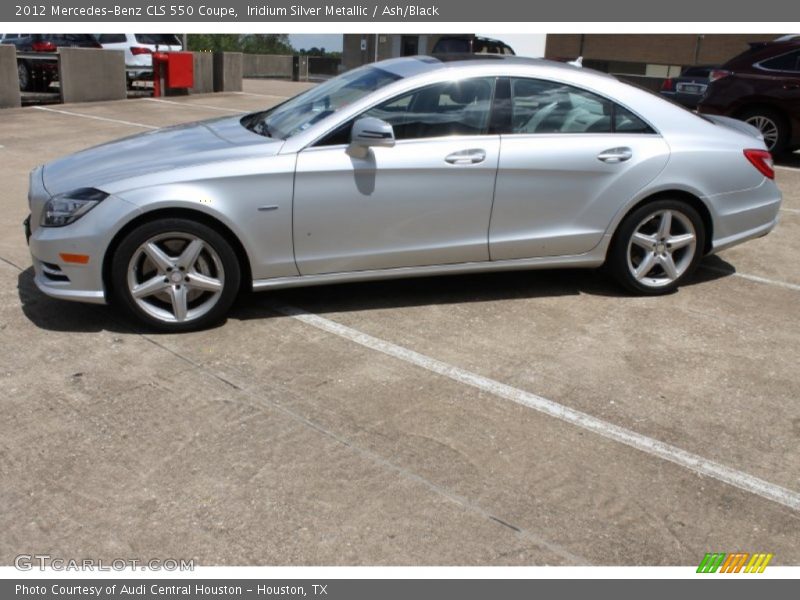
175 275
657 247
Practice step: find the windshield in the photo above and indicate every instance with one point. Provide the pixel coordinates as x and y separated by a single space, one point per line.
299 113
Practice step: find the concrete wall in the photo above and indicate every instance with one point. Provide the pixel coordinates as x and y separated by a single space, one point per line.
228 68
267 65
300 68
203 73
9 80
89 75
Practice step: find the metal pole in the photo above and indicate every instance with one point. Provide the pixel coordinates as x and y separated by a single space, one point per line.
185 41
376 47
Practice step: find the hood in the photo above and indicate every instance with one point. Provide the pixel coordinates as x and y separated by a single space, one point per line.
155 151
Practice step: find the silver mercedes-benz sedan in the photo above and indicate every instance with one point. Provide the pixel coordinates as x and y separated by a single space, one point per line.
408 167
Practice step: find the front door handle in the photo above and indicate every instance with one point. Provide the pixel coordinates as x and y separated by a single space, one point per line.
615 155
791 86
466 157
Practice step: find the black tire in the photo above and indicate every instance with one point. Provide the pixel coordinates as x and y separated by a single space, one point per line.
757 116
214 243
24 75
620 260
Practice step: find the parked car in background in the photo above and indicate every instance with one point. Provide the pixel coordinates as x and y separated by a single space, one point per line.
37 75
689 86
762 87
139 48
471 44
407 167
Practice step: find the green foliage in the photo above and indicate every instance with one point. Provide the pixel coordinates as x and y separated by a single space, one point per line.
257 43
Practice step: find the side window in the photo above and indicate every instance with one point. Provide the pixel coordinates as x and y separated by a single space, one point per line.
785 62
627 122
539 106
444 109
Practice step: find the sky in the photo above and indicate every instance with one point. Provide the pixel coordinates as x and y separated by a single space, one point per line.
524 44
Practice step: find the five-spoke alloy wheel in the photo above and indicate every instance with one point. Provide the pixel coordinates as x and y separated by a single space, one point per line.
175 274
657 246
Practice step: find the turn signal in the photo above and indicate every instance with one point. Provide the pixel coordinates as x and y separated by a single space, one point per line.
77 259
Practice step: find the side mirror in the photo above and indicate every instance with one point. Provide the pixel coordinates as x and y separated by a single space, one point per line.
370 131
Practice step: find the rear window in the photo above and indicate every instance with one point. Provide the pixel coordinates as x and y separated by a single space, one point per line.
697 72
451 46
112 38
158 39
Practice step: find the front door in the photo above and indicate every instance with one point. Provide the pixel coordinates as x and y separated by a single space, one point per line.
425 201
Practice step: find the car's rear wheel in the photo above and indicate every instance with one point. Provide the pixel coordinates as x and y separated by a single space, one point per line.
24 75
175 275
771 124
657 247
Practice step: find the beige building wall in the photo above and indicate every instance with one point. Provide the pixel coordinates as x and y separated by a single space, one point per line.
663 49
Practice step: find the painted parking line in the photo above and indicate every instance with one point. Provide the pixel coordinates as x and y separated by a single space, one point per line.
208 106
795 169
756 278
653 447
95 117
260 95
789 210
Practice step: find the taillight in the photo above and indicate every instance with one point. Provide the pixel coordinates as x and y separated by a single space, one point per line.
140 50
718 74
761 160
43 47
668 85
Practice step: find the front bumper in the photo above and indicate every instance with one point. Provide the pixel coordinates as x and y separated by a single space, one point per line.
58 278
89 236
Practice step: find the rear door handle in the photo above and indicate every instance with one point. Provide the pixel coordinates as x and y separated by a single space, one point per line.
466 157
615 155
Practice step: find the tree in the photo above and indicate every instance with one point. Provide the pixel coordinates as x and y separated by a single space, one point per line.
256 43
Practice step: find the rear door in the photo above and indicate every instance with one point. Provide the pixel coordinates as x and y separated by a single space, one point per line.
571 160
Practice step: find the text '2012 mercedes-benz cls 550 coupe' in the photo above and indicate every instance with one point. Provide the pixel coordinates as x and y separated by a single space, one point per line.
407 167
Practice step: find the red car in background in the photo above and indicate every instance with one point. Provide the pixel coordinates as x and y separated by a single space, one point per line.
36 75
762 87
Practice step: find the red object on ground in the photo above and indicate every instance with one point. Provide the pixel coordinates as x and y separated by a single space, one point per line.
175 69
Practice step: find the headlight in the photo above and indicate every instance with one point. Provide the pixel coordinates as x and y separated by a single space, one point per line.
64 209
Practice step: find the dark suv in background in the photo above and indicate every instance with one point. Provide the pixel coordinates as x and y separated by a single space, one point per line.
762 87
35 74
470 44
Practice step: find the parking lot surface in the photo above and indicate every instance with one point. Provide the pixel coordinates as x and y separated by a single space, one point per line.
538 417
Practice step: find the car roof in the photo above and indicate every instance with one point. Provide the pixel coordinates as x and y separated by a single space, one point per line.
409 66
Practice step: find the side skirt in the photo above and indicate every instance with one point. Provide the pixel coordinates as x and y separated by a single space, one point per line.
589 260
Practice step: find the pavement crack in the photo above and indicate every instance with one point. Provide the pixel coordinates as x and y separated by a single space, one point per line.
12 264
505 524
